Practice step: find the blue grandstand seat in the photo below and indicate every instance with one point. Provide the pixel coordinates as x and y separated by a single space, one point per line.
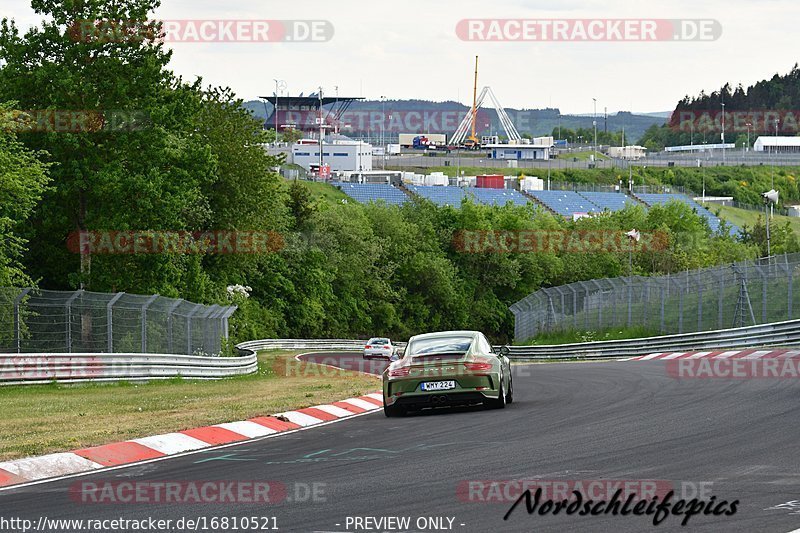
565 203
652 199
612 201
373 192
440 195
497 196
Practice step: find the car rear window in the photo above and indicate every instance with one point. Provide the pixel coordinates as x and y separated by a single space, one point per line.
378 341
455 344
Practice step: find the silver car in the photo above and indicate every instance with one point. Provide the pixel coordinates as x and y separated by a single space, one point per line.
378 347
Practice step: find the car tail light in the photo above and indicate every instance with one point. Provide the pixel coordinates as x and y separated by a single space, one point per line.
367 347
399 372
386 347
480 365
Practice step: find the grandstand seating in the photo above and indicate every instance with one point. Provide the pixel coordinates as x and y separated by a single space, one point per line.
497 196
440 195
652 199
373 192
612 201
564 203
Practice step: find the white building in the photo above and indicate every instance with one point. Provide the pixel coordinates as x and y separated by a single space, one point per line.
631 152
341 155
699 147
777 144
520 151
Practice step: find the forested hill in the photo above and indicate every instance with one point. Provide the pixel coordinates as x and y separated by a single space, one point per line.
776 93
753 110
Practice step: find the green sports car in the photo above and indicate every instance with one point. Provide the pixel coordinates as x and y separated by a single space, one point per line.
445 369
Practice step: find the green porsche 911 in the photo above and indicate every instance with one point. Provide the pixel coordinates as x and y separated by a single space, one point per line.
447 368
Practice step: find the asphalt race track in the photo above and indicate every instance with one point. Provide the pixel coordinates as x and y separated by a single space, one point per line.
573 423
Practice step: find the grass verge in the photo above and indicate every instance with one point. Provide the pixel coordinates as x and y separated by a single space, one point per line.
51 418
745 217
566 337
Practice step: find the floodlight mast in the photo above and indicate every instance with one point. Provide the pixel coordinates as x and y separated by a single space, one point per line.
770 199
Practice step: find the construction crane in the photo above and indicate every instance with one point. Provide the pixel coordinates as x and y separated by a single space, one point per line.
474 113
470 119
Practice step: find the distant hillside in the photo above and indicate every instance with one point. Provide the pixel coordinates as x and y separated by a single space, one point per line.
412 116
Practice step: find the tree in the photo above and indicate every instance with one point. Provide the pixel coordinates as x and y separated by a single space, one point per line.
145 174
23 178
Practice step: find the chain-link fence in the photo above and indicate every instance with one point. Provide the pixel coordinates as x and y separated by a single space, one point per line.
735 295
34 320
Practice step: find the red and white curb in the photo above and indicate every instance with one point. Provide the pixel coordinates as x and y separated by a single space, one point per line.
750 354
149 448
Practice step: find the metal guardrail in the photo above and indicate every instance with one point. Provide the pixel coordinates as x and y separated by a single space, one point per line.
17 369
773 334
30 369
302 344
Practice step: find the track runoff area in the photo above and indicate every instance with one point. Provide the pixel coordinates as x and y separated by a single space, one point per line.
601 446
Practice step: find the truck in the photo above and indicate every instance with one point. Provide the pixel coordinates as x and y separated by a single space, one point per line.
421 142
406 140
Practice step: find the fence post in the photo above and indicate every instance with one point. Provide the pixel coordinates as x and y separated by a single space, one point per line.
720 292
663 297
680 307
143 317
699 307
171 309
110 320
574 305
790 282
17 321
197 307
68 306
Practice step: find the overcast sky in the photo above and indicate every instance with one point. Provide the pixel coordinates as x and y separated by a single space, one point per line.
409 49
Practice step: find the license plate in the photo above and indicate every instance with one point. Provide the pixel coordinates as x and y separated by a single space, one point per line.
438 385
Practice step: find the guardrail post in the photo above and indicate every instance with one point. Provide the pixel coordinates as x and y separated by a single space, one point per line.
17 321
170 310
110 321
143 317
68 311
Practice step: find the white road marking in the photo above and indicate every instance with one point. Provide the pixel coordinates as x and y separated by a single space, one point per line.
334 410
171 443
725 355
650 356
673 355
757 355
247 428
698 355
301 419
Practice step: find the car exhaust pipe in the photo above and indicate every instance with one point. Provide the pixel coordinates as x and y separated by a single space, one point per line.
438 399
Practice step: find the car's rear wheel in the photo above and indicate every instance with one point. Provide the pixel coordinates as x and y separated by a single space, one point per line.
393 411
500 402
